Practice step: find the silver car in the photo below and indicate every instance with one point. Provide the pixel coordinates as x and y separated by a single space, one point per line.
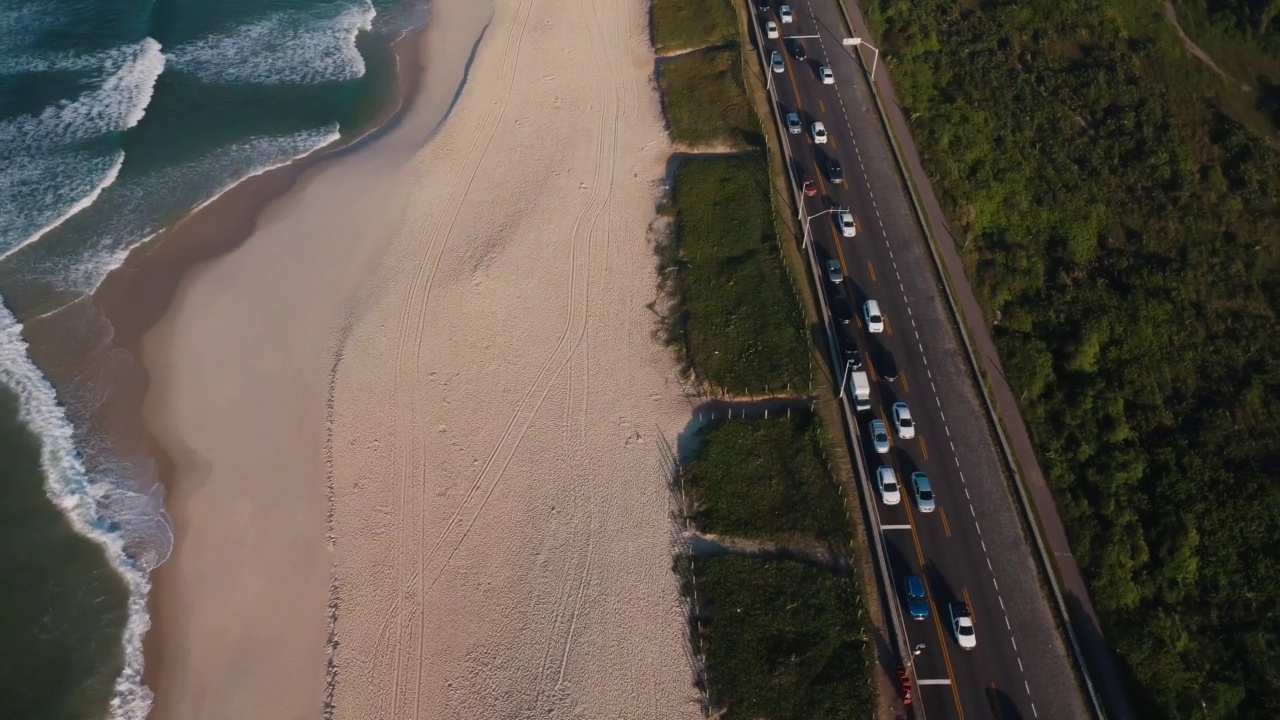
834 273
923 492
776 62
879 436
794 125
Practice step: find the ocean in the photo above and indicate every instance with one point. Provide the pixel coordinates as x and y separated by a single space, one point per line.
118 118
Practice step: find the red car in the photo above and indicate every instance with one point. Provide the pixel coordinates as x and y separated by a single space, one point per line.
808 187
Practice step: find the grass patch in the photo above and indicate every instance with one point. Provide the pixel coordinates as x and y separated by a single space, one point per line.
706 102
738 319
680 25
766 480
783 640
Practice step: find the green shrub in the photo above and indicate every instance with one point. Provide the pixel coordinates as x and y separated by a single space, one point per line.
783 640
706 102
680 25
767 480
740 320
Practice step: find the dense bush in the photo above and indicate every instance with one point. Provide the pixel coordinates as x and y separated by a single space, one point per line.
767 480
739 319
783 640
1122 233
680 25
705 101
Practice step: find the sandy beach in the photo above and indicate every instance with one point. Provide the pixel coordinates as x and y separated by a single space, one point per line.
417 421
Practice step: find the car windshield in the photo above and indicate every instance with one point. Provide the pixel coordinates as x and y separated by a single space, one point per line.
906 421
966 630
926 494
890 486
875 318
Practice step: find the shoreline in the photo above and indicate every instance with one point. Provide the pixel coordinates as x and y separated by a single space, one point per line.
306 339
135 296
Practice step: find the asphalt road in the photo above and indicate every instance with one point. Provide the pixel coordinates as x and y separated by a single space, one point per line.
972 549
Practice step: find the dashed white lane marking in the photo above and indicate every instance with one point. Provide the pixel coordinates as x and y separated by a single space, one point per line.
880 221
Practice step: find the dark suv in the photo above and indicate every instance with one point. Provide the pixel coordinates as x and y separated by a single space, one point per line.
885 365
835 172
849 353
797 50
841 310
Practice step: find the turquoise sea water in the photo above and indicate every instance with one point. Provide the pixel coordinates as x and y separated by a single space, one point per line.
118 117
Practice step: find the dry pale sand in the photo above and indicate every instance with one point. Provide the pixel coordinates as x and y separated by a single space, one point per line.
453 333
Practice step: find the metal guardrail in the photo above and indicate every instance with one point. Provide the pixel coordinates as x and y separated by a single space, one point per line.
1006 451
851 418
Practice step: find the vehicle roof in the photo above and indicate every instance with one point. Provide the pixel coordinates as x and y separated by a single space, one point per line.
915 585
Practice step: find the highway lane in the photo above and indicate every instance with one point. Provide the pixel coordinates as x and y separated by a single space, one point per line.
973 548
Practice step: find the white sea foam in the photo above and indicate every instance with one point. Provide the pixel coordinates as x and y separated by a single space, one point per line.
114 106
118 231
50 169
80 497
281 48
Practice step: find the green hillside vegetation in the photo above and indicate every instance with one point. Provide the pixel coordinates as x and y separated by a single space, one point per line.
680 25
1122 233
740 321
766 480
783 640
706 102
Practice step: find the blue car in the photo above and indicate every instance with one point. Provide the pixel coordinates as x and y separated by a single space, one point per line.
917 603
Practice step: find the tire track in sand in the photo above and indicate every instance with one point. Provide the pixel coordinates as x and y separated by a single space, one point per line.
410 333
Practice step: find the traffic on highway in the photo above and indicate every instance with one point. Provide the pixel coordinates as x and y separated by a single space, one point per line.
981 638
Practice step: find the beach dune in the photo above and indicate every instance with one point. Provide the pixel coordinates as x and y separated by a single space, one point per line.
419 422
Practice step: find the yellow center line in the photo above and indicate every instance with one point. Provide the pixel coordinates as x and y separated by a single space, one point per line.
887 327
937 623
943 512
933 609
923 448
905 386
871 369
969 604
871 269
817 172
820 107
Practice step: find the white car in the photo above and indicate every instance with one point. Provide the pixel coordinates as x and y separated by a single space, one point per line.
819 132
890 493
879 436
871 313
962 626
828 77
784 14
902 421
923 491
794 126
771 30
848 227
776 62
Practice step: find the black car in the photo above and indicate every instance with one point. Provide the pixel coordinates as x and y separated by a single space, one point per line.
834 172
841 310
849 353
797 50
886 367
762 6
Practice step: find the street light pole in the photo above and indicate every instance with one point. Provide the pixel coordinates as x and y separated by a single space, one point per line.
844 377
807 218
859 42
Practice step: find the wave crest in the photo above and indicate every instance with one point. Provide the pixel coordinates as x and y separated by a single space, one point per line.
282 48
81 498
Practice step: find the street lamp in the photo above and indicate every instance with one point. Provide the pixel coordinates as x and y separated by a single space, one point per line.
807 218
844 378
915 652
858 42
